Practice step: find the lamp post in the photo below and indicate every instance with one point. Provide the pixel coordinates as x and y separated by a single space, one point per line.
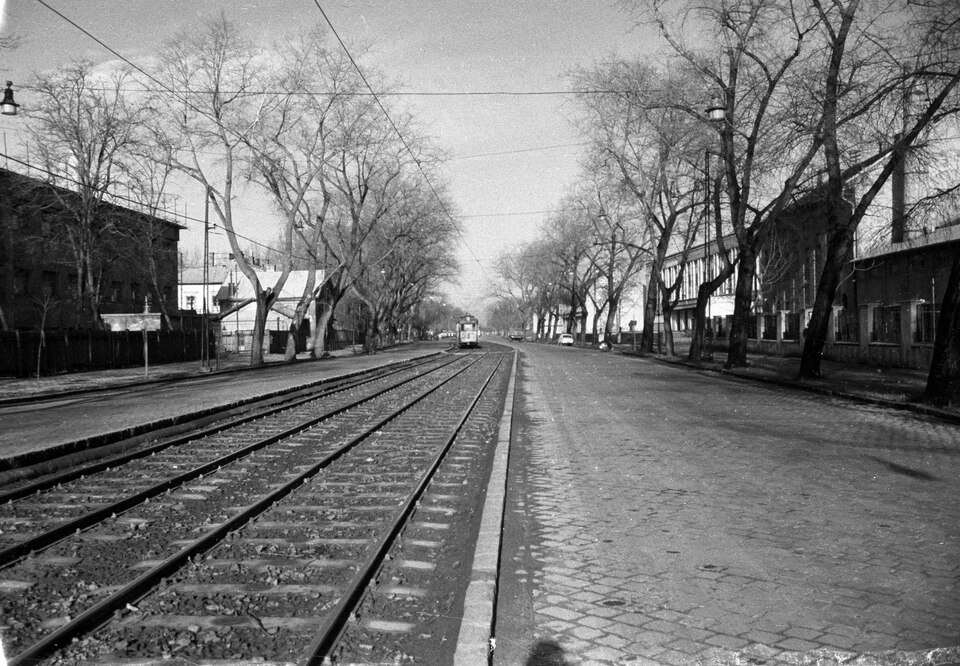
8 107
716 115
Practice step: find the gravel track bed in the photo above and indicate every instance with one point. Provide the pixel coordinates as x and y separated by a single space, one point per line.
411 614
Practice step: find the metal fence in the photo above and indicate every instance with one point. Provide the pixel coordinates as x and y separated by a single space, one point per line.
886 323
769 326
847 326
791 329
926 329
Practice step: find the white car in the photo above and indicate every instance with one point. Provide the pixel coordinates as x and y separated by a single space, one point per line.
565 339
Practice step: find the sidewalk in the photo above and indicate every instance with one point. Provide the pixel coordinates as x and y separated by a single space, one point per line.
13 389
898 388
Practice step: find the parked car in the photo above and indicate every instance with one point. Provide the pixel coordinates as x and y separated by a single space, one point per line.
516 335
565 339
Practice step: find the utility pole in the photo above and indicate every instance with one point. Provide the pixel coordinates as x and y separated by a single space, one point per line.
204 352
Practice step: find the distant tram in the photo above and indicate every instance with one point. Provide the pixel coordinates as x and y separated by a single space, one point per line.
468 332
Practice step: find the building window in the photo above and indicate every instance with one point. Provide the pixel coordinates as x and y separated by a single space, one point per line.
136 295
191 301
73 283
115 289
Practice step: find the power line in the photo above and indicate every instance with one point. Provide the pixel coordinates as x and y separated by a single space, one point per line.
174 215
403 140
521 214
455 158
352 60
372 93
521 150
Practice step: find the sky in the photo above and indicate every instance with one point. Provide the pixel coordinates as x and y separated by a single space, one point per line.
512 157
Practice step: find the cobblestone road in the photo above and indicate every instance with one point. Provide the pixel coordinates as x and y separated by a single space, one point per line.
656 515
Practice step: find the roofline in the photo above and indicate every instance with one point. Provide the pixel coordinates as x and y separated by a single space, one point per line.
13 175
941 236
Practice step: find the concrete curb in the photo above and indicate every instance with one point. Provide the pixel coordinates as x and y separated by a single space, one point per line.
475 642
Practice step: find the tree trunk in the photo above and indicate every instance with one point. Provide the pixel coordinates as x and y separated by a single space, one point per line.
838 253
323 330
742 308
649 314
259 327
296 323
668 329
370 343
290 350
943 382
700 315
90 301
611 315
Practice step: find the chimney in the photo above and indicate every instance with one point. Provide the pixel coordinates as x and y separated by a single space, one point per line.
898 182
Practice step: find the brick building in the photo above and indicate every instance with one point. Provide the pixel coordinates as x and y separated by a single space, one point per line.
135 260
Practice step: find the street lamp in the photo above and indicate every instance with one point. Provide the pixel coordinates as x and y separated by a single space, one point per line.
716 112
8 107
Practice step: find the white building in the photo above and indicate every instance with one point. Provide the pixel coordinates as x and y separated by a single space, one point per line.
237 307
192 291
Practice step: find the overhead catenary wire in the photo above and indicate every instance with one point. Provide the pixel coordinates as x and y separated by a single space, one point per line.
452 158
175 215
396 129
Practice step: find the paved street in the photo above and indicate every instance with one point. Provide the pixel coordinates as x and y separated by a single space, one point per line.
659 515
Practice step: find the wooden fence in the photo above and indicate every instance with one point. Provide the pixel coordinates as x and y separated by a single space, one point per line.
77 350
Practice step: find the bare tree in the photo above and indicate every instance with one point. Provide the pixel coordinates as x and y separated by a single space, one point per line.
213 72
621 249
750 54
370 171
147 248
294 152
654 150
405 257
528 278
877 59
569 242
83 127
517 286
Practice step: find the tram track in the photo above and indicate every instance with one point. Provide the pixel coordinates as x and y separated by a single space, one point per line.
25 470
156 467
286 553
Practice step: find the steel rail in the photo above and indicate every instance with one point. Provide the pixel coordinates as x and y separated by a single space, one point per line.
319 650
106 464
65 529
131 592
